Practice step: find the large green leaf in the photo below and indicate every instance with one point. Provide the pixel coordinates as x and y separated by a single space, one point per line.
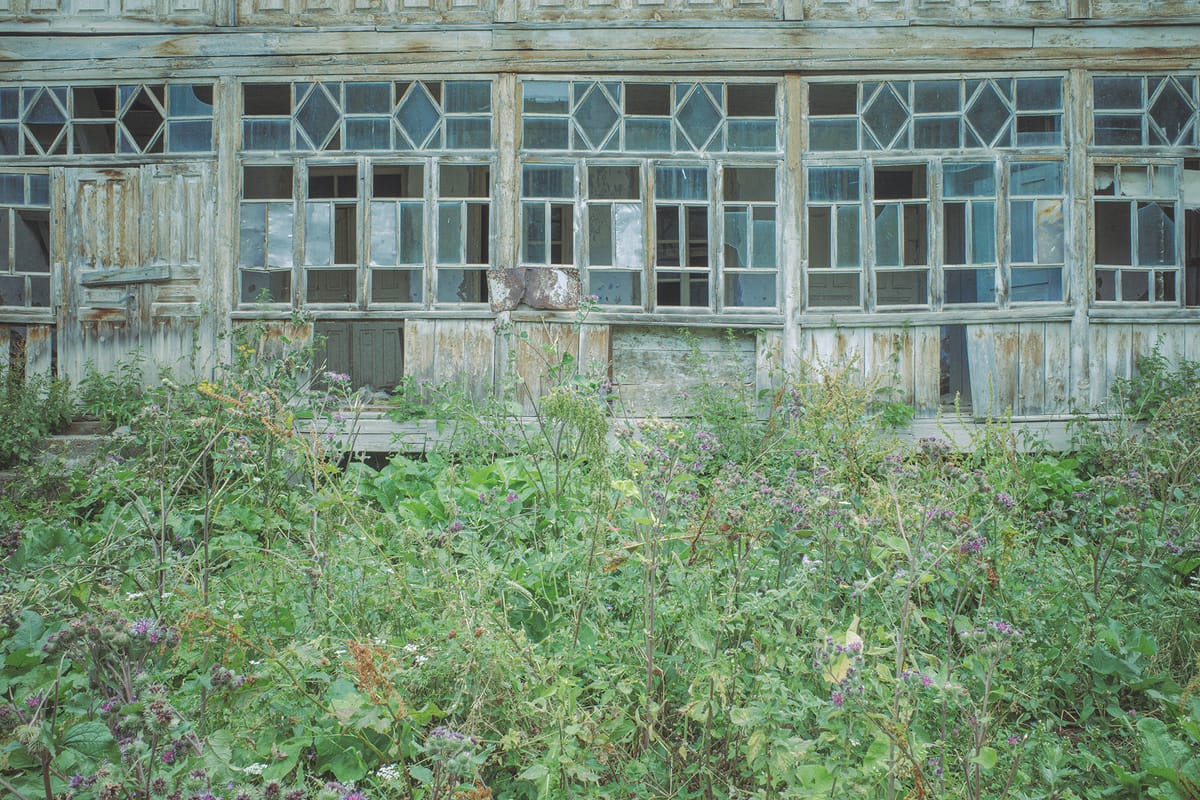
91 738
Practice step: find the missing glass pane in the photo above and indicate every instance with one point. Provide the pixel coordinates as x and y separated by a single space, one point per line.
332 182
827 99
267 183
954 372
900 182
749 184
751 100
31 240
398 180
1114 242
259 286
648 99
676 289
464 180
266 99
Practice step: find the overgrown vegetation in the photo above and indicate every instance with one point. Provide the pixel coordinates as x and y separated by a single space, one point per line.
585 606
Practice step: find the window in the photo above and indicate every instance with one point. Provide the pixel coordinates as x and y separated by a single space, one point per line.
669 202
106 119
24 240
901 211
969 232
1135 209
834 225
1035 219
936 114
1139 110
377 116
396 223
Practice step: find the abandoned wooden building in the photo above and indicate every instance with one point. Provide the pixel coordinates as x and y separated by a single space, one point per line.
994 200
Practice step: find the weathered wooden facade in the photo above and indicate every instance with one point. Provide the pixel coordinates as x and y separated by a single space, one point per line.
997 200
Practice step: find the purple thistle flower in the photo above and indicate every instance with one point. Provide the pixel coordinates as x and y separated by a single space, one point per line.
511 497
838 700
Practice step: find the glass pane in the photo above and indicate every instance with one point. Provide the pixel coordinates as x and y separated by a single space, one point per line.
266 134
699 118
534 229
1166 181
737 242
763 227
614 287
907 288
546 134
833 289
368 98
450 234
833 183
12 290
330 285
418 117
681 183
1119 130
279 234
258 286
600 235
970 180
1036 178
833 134
1021 231
189 136
459 180
750 290
1118 92
1036 284
545 97
614 183
666 236
936 96
468 97
596 118
4 234
887 235
936 132
954 222
630 235
820 237
468 133
1050 231
970 285
746 135
252 236
369 133
983 232
1039 94
697 236
1156 234
395 286
847 237
31 240
318 234
12 188
653 135
39 190
550 181
412 233
384 233
462 286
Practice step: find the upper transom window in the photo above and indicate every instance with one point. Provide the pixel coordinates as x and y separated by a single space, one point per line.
367 116
649 117
124 119
1138 110
939 113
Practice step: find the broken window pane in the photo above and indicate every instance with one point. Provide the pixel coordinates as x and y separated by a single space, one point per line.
462 286
737 241
1156 234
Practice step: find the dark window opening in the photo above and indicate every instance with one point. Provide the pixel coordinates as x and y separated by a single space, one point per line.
954 374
